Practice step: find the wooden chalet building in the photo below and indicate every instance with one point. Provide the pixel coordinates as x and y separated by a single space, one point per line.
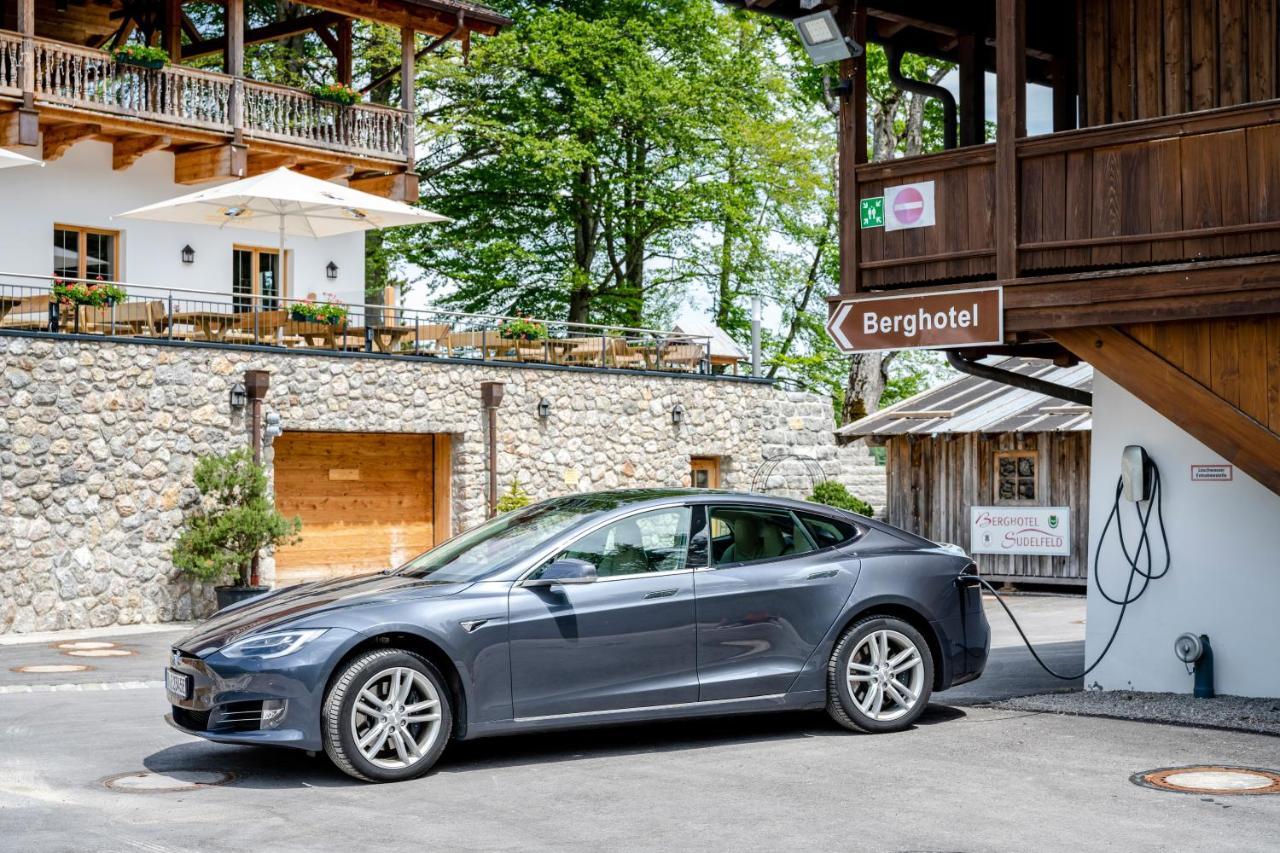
1141 235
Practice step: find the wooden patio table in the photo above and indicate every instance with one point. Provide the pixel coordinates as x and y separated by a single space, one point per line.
7 304
211 325
318 335
385 338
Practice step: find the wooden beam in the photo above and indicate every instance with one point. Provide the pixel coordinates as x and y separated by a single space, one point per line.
56 140
198 165
260 163
973 93
409 92
20 127
327 171
402 186
233 42
270 32
1197 410
126 150
343 53
1011 124
171 36
851 143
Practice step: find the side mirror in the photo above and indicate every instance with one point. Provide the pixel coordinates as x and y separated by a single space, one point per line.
566 570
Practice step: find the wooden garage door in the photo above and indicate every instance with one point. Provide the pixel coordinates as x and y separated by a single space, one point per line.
368 501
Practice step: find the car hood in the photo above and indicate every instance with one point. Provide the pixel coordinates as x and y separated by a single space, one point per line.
290 604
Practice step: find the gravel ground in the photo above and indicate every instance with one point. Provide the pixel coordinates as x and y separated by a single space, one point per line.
1227 712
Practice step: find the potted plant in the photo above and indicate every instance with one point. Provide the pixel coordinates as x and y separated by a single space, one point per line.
336 93
329 310
141 56
234 520
98 294
513 498
522 329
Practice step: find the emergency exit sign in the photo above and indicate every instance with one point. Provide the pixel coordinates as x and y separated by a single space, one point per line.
872 210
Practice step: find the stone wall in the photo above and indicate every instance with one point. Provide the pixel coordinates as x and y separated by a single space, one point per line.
98 441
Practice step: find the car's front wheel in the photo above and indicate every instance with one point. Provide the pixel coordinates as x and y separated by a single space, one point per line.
387 716
880 676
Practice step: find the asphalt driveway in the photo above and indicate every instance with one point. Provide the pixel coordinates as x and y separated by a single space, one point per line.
966 778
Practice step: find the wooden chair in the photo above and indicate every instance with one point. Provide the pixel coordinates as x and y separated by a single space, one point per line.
428 339
586 351
144 318
621 354
264 327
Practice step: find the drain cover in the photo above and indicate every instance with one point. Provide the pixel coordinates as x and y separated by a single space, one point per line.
52 667
166 782
1210 780
84 644
99 653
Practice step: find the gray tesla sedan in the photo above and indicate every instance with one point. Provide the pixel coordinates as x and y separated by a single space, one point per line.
587 610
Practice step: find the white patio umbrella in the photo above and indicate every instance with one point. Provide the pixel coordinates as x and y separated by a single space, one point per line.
13 158
288 202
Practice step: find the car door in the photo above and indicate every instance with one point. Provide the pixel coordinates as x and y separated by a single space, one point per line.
626 640
766 596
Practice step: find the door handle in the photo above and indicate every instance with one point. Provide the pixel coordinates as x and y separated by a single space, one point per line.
660 593
825 573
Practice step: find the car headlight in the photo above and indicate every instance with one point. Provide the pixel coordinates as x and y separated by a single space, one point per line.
276 644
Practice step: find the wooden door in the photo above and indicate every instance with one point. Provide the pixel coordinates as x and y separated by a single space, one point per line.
704 472
368 501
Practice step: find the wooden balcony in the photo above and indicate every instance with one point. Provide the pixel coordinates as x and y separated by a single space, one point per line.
1196 187
179 98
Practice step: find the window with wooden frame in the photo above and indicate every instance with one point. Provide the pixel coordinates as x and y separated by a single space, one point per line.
1017 476
92 253
257 278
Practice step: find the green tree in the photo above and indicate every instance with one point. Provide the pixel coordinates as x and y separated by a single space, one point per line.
234 520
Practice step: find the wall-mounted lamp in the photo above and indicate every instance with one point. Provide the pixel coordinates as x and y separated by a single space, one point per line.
820 34
188 254
331 271
544 408
238 398
677 414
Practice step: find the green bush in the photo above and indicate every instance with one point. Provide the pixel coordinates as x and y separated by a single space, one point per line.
514 498
835 494
233 522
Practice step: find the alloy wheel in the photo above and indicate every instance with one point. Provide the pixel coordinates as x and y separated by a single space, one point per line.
396 718
885 675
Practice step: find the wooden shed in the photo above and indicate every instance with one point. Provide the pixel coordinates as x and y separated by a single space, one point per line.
979 460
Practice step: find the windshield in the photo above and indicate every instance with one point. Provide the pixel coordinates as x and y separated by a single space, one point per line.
480 551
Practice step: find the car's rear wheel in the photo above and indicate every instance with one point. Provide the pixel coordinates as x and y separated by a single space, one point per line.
387 716
880 676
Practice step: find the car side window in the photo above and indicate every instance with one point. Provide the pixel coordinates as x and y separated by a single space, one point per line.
750 534
655 541
828 531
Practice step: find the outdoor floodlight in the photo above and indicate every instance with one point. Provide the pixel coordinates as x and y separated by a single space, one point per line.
677 414
238 397
544 408
331 271
820 35
188 254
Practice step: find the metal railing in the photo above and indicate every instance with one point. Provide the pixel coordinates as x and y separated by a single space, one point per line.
28 304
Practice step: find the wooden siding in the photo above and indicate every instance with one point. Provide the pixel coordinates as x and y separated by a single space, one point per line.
368 501
1149 58
933 481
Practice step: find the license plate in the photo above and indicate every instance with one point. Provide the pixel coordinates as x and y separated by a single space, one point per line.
177 683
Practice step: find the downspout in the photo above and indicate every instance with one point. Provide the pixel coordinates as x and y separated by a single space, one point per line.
1018 380
893 53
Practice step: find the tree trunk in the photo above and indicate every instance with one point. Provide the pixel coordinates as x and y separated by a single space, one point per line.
868 374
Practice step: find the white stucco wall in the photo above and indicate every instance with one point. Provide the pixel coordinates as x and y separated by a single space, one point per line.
81 188
1225 577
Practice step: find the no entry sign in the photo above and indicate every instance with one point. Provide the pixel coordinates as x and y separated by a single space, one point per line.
908 206
952 318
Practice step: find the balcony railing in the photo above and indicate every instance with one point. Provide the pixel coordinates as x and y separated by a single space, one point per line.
88 79
172 314
1182 188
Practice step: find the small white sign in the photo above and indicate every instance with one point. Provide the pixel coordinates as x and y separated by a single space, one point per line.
1033 530
908 206
1212 473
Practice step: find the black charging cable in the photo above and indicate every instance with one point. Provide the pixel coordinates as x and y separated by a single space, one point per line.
1134 561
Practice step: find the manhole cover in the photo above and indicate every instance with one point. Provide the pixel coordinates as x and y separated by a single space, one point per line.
52 667
99 653
1211 780
166 782
80 645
